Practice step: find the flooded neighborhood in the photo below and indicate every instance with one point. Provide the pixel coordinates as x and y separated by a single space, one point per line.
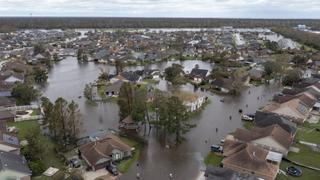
160 103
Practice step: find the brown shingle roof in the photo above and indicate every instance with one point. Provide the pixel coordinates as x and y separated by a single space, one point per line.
102 149
128 120
275 131
252 159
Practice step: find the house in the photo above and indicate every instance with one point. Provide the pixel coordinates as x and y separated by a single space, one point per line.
101 55
5 89
218 173
193 101
256 73
11 77
252 160
6 116
130 76
13 166
128 124
265 119
113 89
272 138
38 58
199 75
222 84
9 142
100 153
7 102
16 66
296 109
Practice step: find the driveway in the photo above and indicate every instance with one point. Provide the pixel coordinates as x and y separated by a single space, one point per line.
102 173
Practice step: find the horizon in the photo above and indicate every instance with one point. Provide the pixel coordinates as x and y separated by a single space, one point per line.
141 17
243 9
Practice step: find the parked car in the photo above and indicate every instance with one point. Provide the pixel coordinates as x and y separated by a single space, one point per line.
75 162
294 171
112 169
216 148
247 117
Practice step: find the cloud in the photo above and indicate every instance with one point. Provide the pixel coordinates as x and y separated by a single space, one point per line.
164 8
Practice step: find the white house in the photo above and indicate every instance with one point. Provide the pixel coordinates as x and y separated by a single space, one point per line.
192 101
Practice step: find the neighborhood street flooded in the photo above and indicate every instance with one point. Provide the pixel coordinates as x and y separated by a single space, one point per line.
68 79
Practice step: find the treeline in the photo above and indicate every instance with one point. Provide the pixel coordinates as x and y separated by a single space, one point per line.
303 37
9 23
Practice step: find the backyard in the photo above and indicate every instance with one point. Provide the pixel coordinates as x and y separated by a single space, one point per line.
51 157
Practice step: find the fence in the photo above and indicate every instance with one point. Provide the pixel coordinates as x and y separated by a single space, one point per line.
30 118
23 108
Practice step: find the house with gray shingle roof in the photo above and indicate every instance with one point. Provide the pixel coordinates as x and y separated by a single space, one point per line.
13 166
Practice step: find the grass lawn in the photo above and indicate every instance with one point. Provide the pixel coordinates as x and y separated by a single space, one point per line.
50 156
124 165
307 132
307 174
35 112
306 156
206 86
247 124
213 159
151 81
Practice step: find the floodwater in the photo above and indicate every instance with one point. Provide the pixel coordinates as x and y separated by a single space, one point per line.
68 78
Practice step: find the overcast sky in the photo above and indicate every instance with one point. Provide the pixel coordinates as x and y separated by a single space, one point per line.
164 8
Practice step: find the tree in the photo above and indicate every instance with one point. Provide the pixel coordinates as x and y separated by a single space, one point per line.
73 122
47 108
38 49
177 121
80 54
299 59
271 68
292 77
63 120
173 73
40 75
88 91
125 100
24 94
104 74
55 57
139 104
33 151
119 66
272 45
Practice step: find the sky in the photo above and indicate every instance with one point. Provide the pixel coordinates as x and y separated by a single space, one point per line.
164 8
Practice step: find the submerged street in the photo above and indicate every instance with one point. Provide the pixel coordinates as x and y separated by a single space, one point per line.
68 79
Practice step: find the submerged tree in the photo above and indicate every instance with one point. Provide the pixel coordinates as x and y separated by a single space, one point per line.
88 91
173 117
173 73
